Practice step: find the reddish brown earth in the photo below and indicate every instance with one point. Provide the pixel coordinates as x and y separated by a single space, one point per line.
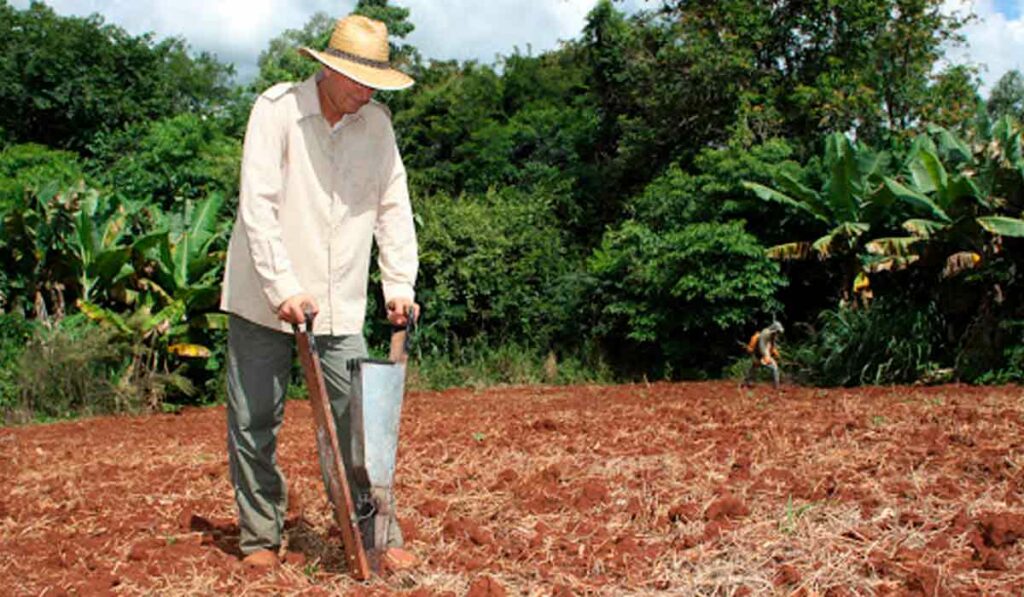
677 488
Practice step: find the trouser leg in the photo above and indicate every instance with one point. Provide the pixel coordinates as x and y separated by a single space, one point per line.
335 353
775 373
259 366
749 378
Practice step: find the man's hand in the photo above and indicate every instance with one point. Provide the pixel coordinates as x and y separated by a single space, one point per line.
291 310
397 308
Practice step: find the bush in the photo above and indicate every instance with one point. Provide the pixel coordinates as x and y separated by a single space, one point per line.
492 268
712 189
15 333
890 342
676 301
479 365
29 166
1012 368
163 162
70 369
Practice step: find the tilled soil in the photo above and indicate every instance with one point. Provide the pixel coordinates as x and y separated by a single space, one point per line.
695 488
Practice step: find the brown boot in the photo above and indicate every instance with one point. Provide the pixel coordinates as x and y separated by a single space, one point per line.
396 559
262 558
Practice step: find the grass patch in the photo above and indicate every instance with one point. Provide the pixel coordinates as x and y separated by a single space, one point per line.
481 366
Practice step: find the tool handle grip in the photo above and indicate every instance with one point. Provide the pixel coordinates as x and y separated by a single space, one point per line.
308 315
401 338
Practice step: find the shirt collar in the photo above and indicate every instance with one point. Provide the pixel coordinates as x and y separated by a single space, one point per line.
309 102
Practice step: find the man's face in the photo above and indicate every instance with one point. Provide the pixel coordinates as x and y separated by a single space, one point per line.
347 95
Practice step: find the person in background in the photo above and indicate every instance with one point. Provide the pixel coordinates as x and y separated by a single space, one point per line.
764 352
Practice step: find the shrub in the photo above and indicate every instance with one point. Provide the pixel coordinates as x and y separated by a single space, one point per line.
492 268
890 342
163 162
480 365
1012 368
15 333
29 165
680 300
69 369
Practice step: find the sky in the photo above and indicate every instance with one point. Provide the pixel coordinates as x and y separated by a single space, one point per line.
238 30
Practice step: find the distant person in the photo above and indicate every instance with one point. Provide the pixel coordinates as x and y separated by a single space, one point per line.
764 352
321 178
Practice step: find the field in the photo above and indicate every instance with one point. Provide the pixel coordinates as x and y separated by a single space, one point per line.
695 488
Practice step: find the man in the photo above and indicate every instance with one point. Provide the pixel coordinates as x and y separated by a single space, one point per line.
321 178
763 351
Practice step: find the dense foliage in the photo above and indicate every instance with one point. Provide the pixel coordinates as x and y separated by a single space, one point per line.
635 203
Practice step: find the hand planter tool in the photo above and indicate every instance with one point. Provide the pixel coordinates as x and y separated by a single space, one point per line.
378 389
330 456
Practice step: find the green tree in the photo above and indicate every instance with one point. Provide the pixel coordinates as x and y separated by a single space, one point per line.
164 162
798 68
281 60
1007 96
66 78
451 102
679 300
26 167
493 268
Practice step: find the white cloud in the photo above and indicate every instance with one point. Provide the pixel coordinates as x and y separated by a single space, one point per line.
238 30
466 29
995 41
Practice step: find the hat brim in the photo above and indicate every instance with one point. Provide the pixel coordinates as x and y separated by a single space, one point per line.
377 78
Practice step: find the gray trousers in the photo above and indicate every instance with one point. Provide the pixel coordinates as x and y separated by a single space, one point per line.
749 379
259 369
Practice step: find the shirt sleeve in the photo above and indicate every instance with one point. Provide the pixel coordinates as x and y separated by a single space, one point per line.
260 198
395 232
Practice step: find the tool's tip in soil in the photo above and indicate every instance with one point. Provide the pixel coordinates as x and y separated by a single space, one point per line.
263 558
396 559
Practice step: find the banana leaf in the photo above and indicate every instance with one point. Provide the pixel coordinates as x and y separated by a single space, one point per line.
960 262
101 315
916 200
769 194
894 246
923 228
929 176
1002 225
796 251
951 147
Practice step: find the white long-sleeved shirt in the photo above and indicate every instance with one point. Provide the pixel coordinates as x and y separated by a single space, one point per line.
311 201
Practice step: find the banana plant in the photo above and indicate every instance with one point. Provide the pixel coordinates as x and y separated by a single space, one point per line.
848 205
184 271
958 207
34 249
175 276
149 373
104 262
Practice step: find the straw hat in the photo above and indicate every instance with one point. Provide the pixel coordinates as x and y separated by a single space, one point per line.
359 50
